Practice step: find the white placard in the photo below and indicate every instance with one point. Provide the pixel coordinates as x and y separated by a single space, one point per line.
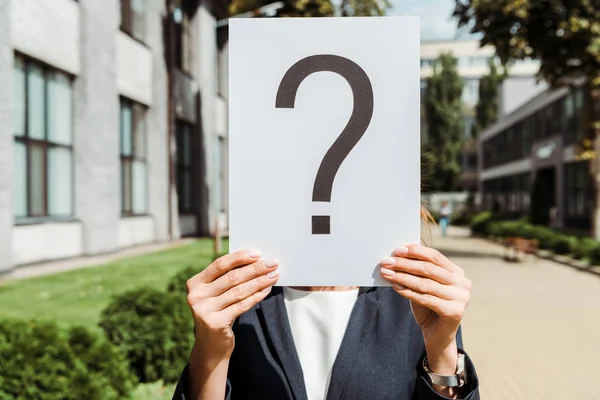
294 85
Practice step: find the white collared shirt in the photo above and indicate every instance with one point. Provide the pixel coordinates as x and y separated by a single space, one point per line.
318 320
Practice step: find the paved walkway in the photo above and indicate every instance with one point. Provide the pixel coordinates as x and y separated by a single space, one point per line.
532 328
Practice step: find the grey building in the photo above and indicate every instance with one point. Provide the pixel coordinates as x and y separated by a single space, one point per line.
113 125
473 63
531 159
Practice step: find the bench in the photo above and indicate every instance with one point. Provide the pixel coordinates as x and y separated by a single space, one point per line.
519 245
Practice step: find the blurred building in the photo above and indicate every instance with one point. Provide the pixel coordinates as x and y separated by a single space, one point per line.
473 63
112 125
534 150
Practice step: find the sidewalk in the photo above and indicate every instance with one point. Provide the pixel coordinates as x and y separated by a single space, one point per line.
54 267
532 328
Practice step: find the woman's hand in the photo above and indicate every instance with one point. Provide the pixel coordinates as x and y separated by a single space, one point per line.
223 291
439 294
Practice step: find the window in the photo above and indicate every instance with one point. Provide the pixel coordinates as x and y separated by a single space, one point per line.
223 173
473 61
524 191
427 62
556 117
540 126
134 177
184 136
133 15
468 122
578 195
569 119
423 88
183 40
582 115
471 161
519 142
470 94
220 162
528 128
43 130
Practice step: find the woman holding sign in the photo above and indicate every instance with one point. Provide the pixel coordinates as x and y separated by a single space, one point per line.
256 341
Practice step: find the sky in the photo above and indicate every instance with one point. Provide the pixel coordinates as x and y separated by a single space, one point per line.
436 16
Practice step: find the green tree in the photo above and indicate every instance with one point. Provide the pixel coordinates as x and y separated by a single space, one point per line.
364 8
315 8
486 110
443 110
563 35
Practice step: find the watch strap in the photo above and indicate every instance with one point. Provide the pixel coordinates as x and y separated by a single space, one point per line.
457 380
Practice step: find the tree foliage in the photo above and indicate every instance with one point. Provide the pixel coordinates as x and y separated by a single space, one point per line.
443 109
486 110
563 34
315 8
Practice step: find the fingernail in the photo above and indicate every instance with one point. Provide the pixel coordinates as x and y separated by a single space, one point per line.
267 289
398 287
271 263
400 251
387 272
388 261
274 274
254 254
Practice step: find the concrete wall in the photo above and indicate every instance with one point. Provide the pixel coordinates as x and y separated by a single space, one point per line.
187 224
206 74
6 137
42 242
185 92
514 92
134 69
96 146
48 31
511 168
470 48
135 231
157 131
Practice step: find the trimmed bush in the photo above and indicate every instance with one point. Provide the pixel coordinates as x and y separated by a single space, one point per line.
563 244
177 282
480 224
39 361
594 253
545 237
462 217
502 229
153 329
582 248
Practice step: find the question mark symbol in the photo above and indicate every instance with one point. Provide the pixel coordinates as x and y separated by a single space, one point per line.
362 112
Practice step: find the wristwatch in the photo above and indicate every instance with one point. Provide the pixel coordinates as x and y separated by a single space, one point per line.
457 380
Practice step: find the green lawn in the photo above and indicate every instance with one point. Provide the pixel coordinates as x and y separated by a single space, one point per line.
78 297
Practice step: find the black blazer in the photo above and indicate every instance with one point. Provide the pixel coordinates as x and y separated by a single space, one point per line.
380 356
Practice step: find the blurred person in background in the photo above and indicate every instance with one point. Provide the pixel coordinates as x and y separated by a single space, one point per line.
257 341
445 212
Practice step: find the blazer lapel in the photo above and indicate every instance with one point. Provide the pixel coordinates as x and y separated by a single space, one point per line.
362 317
279 331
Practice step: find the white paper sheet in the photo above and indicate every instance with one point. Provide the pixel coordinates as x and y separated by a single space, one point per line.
277 145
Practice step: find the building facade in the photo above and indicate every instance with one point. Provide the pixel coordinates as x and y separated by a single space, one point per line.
473 63
529 158
112 125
